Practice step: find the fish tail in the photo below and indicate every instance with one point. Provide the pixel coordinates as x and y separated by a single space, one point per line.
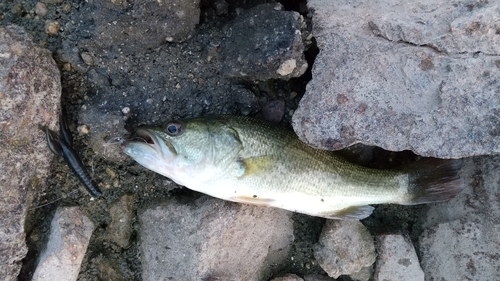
433 180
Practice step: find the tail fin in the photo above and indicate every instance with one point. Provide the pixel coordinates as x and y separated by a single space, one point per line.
433 180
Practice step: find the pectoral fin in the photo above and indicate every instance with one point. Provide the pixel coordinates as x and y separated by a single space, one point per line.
349 213
256 165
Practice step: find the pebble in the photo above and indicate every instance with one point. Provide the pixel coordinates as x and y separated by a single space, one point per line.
66 8
221 7
17 9
41 9
344 248
397 259
70 233
287 67
274 111
126 110
52 27
87 58
83 129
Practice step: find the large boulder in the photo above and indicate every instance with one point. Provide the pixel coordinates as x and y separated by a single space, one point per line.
404 76
30 89
212 239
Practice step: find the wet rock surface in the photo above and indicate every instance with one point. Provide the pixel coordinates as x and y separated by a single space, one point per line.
29 96
69 237
344 248
404 76
213 239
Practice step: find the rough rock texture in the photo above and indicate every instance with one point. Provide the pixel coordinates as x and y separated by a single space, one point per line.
417 75
269 45
70 233
363 274
460 240
212 239
146 24
397 259
29 95
288 277
344 247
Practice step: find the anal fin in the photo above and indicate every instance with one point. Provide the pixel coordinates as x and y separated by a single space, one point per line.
349 213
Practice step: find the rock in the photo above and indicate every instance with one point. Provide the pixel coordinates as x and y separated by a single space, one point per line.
17 9
364 274
29 95
41 9
288 277
460 238
404 76
397 259
139 24
221 7
120 228
52 27
344 247
264 43
211 239
69 237
273 111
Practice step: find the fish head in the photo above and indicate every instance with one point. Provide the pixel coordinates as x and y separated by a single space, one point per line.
190 151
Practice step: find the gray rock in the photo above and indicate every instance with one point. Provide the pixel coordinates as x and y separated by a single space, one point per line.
460 240
212 239
29 95
344 247
264 43
273 111
364 274
404 75
397 259
144 24
70 233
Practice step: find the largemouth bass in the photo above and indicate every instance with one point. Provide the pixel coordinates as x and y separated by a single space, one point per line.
251 161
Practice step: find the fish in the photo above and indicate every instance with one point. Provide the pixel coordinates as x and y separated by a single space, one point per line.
61 145
248 160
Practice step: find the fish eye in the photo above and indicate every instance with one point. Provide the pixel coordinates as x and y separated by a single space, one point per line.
174 128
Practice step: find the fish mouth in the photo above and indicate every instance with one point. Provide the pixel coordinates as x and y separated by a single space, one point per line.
150 145
149 137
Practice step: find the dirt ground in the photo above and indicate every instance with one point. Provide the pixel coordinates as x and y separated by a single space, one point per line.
173 80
